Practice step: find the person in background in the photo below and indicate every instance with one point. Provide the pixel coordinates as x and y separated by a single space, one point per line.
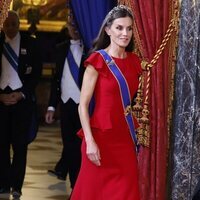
109 147
20 70
65 90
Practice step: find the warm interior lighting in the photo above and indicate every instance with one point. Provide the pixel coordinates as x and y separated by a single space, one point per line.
35 2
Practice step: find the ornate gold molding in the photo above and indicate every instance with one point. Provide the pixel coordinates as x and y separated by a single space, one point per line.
4 7
173 43
44 25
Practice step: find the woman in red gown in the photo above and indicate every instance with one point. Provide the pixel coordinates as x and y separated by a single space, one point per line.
109 161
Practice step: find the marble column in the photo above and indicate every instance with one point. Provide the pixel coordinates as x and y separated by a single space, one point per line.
186 117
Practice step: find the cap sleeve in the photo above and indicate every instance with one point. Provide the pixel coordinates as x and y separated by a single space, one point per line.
96 60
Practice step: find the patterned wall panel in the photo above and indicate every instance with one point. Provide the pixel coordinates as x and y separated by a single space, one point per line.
186 119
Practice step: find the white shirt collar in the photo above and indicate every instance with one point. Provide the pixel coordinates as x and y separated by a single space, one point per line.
75 42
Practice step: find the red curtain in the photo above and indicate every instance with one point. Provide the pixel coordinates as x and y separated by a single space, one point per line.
152 20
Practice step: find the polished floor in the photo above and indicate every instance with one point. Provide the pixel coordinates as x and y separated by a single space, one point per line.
42 155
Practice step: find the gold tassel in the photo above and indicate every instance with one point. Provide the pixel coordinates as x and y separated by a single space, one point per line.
137 108
143 135
142 113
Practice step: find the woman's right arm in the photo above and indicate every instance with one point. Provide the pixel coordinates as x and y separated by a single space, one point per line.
87 90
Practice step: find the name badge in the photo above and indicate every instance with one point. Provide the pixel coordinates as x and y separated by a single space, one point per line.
28 70
23 51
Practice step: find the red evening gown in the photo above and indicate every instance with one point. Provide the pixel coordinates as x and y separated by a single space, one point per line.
117 177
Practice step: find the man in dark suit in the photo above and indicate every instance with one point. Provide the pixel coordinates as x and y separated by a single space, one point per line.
66 90
20 70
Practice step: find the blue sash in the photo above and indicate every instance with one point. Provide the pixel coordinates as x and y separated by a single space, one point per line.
125 94
11 56
74 69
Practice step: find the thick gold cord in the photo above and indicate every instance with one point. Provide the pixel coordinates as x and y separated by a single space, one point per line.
172 27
